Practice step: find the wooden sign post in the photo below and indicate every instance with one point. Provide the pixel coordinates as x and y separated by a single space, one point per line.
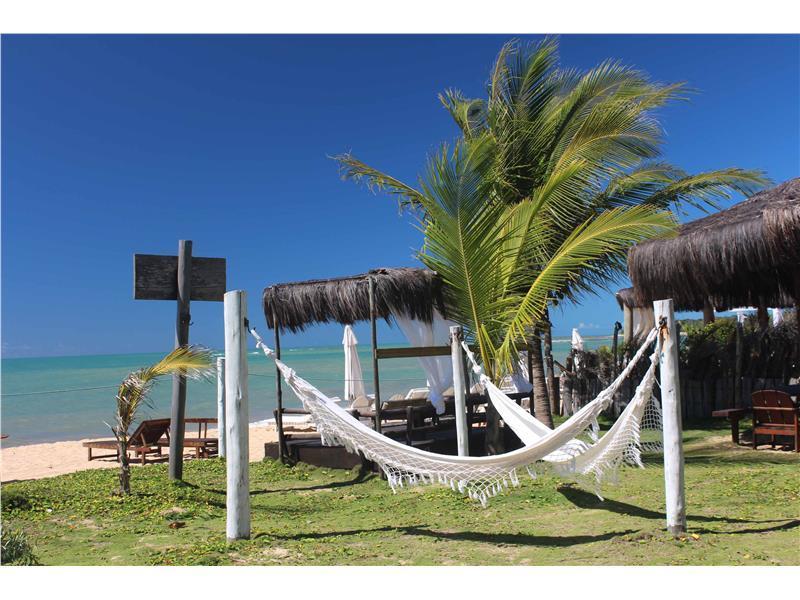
180 278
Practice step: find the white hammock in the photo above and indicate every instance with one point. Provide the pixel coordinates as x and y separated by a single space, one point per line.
528 428
485 476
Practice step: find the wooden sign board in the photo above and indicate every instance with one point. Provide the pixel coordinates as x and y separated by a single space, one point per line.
155 277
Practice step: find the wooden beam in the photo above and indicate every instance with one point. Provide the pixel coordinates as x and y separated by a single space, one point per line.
178 414
672 425
237 418
412 352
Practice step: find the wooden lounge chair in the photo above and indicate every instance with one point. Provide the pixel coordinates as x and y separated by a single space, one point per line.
204 446
143 441
775 415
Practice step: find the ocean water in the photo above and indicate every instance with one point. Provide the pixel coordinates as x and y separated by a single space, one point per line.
72 397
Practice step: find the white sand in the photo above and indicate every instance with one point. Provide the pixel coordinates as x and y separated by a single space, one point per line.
36 461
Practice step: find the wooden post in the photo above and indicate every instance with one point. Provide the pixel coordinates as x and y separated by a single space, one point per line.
459 392
178 414
737 365
671 407
615 349
375 375
763 315
221 405
282 450
237 417
627 324
708 311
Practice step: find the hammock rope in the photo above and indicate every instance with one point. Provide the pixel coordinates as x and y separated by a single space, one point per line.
483 477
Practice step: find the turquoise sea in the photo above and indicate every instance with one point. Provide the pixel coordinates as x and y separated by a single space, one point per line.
72 397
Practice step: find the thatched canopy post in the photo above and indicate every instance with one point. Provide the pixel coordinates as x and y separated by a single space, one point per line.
375 372
708 312
282 450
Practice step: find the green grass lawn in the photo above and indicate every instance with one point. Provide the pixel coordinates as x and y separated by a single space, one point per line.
743 508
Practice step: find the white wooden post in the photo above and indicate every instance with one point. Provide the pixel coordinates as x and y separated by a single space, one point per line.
221 433
671 407
459 391
237 417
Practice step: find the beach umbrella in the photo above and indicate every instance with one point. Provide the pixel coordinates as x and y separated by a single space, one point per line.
577 340
353 378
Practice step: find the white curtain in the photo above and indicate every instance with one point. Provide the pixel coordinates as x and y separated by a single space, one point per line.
438 369
519 380
777 316
353 377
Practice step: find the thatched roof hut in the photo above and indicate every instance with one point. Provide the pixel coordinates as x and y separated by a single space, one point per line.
406 291
747 255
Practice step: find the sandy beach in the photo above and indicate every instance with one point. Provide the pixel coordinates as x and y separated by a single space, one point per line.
36 461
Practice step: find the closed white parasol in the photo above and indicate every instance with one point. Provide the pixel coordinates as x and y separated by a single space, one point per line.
353 377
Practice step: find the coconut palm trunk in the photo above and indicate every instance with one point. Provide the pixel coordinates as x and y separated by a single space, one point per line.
541 400
124 466
550 375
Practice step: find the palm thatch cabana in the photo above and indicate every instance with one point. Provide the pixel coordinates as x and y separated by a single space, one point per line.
410 292
637 320
747 255
378 294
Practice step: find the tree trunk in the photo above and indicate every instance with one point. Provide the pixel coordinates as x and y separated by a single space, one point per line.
124 468
541 402
494 435
550 374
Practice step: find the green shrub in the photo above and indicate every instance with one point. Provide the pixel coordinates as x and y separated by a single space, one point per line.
14 501
16 550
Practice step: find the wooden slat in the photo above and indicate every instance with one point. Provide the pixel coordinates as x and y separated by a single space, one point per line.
412 352
155 277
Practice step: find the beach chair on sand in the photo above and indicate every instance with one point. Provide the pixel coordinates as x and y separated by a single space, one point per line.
203 446
142 442
774 414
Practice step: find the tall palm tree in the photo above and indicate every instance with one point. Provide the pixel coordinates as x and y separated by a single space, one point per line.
133 393
558 153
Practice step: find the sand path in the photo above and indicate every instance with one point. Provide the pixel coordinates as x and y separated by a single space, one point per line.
36 461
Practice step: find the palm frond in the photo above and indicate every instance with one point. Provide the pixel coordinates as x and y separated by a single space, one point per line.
192 361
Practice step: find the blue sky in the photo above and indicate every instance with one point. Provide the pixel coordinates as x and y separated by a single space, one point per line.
113 145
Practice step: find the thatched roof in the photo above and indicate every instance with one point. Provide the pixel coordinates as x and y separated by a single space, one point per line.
736 257
626 297
401 291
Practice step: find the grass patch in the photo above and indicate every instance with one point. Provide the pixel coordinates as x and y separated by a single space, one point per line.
743 508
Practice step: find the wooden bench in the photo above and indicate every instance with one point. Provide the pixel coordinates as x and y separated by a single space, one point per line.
775 415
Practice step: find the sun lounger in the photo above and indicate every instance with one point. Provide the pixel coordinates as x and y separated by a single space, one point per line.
204 446
143 441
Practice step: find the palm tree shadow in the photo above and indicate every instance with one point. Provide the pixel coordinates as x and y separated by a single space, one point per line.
517 539
584 499
362 476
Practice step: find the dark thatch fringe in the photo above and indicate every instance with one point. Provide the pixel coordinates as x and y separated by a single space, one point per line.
404 291
746 255
626 297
